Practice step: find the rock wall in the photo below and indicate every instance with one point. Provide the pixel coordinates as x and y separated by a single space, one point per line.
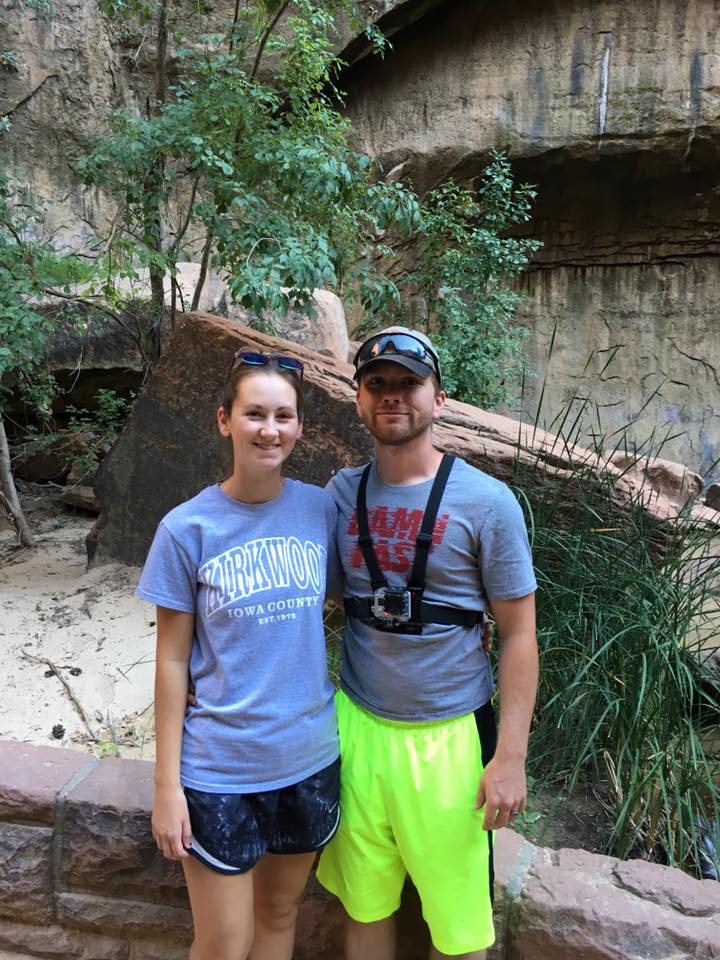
69 73
81 879
170 447
612 109
642 341
72 66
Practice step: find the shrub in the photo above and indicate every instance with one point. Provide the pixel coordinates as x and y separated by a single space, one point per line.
628 696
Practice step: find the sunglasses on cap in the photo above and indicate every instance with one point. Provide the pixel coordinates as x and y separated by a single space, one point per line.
389 345
253 359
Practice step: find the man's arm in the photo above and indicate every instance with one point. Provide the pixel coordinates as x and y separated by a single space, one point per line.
502 785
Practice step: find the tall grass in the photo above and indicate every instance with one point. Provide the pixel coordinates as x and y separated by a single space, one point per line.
628 698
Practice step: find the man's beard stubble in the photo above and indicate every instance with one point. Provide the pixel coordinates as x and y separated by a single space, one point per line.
398 435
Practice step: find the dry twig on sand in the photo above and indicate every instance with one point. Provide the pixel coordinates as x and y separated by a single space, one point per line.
69 690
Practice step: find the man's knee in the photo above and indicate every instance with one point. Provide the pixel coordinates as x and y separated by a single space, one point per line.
375 939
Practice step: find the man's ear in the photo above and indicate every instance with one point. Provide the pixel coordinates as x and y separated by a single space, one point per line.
440 398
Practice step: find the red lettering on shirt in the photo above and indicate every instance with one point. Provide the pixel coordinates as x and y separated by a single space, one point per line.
394 533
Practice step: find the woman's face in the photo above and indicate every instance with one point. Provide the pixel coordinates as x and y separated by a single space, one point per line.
263 422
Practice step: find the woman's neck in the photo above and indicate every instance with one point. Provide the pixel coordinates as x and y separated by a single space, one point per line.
253 489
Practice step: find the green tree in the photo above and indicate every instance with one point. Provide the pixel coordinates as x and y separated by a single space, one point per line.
31 271
466 260
261 173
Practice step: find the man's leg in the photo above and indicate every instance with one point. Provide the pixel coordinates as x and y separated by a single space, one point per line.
440 837
361 865
376 940
475 955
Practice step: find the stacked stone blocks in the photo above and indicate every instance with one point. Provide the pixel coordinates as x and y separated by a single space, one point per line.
81 879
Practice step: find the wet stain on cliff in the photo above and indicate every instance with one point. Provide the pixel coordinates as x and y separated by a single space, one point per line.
537 88
696 85
604 82
578 66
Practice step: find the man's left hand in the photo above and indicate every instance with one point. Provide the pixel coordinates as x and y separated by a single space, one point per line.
502 791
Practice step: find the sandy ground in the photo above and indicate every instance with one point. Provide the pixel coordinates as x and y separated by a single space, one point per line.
88 625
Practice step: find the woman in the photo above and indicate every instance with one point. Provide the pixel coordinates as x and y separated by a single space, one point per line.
246 784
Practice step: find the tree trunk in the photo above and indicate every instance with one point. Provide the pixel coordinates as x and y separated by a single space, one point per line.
8 493
153 226
204 264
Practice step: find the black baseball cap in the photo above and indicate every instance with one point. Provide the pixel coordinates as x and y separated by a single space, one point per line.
409 348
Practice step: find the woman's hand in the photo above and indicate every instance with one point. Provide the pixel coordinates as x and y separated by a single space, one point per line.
487 635
171 822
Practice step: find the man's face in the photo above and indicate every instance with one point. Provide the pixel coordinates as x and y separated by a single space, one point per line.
396 405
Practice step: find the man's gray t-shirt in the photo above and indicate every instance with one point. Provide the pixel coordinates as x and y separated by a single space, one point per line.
480 553
254 575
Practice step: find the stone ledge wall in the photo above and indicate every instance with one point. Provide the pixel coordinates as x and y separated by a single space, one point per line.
80 879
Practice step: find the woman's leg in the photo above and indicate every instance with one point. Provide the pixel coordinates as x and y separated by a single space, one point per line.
222 909
279 881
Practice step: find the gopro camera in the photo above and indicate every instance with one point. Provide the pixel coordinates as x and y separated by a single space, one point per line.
393 610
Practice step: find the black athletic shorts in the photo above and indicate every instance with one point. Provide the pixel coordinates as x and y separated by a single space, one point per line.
231 831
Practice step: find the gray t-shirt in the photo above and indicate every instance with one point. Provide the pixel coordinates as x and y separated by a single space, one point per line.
254 575
480 553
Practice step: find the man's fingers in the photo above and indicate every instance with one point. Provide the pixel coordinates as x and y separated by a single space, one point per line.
491 820
503 815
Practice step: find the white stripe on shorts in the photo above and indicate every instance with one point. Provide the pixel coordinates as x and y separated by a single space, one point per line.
209 859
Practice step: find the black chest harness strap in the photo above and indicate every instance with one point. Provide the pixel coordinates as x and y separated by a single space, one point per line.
402 609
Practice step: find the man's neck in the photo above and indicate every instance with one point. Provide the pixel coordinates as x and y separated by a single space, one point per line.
408 463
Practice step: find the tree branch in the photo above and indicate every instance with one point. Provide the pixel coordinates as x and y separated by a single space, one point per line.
266 36
186 224
56 670
204 263
9 493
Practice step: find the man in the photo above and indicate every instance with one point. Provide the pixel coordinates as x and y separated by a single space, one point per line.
421 790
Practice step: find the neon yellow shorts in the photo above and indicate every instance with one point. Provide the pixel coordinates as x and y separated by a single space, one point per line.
407 797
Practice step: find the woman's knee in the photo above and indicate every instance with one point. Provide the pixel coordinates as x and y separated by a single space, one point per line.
222 946
277 912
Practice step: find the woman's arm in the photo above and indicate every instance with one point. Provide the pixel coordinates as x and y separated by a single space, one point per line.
170 820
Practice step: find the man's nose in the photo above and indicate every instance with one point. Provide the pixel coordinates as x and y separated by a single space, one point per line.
391 393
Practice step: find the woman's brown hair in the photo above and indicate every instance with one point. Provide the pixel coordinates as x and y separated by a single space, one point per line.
243 370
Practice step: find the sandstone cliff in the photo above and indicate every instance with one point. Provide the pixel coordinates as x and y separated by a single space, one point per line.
612 109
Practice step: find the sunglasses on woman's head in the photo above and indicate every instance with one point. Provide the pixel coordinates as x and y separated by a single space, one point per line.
265 360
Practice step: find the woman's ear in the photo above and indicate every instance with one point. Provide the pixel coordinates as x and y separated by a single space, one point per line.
222 420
